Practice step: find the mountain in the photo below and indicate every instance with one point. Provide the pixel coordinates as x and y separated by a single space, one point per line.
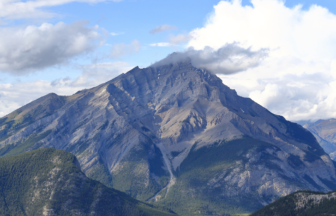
325 133
175 135
49 182
302 203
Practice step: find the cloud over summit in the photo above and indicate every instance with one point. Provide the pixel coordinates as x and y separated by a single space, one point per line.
229 59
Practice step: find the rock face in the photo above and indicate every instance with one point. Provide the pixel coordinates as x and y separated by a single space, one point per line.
176 135
325 133
49 182
306 203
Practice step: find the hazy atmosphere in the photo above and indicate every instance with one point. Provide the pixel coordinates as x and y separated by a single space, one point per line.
279 53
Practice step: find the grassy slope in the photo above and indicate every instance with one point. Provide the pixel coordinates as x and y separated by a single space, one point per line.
49 179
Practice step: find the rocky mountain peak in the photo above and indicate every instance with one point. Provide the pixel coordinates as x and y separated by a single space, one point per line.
175 133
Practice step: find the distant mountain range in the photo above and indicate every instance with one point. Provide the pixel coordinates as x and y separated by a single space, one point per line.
325 133
175 135
49 182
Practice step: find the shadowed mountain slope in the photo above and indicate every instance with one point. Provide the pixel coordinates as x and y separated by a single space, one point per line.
175 135
49 182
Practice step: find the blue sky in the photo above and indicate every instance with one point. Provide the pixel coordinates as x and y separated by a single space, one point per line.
65 45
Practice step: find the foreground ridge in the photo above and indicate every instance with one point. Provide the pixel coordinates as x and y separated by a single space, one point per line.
49 182
308 203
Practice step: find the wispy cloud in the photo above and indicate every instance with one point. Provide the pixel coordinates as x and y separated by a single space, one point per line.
179 39
122 49
162 28
18 9
174 41
95 74
116 33
160 44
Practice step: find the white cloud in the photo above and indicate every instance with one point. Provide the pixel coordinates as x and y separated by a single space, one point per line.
270 24
23 50
298 79
162 28
313 101
333 69
15 95
174 41
18 9
122 49
290 87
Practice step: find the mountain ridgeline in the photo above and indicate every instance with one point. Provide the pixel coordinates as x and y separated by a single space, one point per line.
49 182
175 135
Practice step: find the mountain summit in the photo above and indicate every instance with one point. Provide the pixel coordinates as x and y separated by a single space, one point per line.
176 135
